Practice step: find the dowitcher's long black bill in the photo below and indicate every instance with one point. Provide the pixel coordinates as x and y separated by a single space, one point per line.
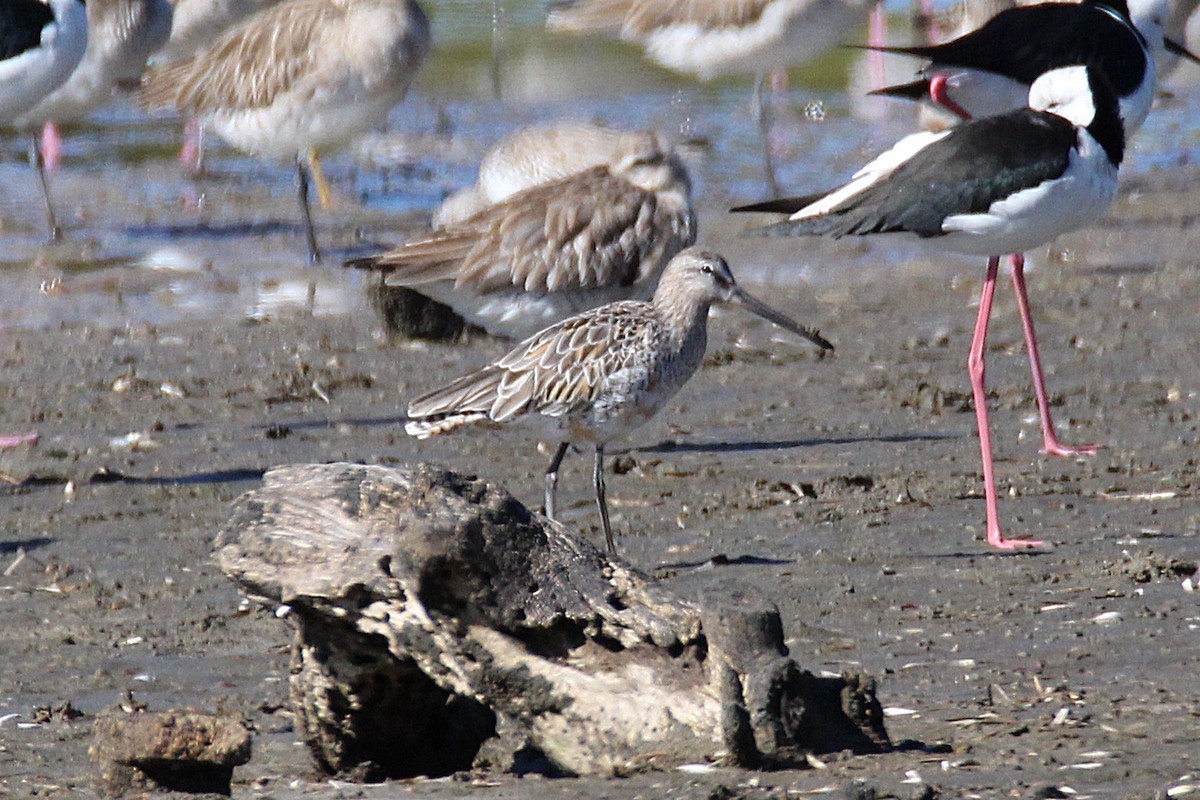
766 312
1175 48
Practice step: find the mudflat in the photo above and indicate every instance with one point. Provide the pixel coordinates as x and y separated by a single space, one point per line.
847 489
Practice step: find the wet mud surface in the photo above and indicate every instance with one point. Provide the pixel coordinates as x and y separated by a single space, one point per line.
846 488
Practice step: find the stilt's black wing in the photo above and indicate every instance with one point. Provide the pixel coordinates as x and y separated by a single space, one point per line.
21 23
975 165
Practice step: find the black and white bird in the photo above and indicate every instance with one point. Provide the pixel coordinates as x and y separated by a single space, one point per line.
990 186
41 44
990 70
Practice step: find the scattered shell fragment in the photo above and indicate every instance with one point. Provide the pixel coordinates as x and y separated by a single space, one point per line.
1107 617
135 441
899 711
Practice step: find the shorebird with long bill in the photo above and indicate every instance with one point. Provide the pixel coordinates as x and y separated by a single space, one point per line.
601 374
298 77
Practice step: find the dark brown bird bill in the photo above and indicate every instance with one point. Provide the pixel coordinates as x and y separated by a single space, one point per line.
756 306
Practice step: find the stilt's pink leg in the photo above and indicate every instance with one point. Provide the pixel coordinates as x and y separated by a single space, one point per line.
17 439
978 371
1050 443
937 91
877 37
52 146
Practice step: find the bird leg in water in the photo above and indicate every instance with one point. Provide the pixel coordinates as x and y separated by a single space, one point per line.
314 254
760 107
601 501
35 158
1050 443
978 371
191 155
52 146
552 477
324 192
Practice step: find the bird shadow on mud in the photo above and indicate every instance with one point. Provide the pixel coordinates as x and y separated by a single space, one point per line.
786 444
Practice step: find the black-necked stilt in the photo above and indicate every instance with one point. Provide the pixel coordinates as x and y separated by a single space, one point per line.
601 374
601 233
990 186
40 44
298 77
122 35
989 70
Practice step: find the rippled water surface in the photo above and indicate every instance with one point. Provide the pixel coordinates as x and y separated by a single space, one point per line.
148 244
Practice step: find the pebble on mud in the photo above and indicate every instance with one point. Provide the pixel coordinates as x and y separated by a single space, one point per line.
179 751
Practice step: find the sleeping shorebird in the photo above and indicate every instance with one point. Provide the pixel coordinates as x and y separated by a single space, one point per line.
989 70
994 185
529 157
40 45
601 374
298 77
712 38
546 252
122 34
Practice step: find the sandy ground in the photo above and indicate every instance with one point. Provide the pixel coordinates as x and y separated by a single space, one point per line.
846 488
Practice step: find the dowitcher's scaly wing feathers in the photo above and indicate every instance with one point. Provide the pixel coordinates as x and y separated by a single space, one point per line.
555 372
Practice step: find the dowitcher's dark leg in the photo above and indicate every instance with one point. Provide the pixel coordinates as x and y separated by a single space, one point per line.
314 255
552 477
598 479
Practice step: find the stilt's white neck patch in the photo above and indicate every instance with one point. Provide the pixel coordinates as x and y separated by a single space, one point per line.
1065 92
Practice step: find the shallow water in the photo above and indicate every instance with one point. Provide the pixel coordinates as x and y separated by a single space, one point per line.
148 245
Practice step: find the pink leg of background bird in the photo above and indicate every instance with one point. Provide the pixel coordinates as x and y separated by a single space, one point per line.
1050 443
52 146
191 155
978 371
877 37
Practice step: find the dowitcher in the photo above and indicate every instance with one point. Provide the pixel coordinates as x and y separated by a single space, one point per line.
40 44
600 374
122 34
298 77
552 250
989 186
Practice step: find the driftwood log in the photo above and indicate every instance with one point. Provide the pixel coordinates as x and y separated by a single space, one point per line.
441 625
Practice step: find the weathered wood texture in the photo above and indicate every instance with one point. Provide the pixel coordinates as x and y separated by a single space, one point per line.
441 624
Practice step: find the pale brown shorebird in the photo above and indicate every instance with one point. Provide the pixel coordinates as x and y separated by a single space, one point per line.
552 250
122 35
713 38
600 374
196 24
298 77
40 45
